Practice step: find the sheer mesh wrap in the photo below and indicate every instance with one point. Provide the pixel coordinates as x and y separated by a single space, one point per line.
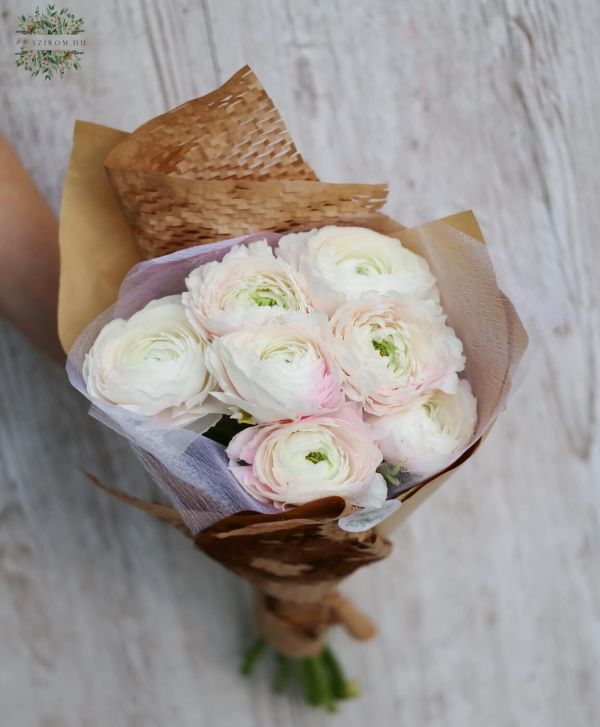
193 470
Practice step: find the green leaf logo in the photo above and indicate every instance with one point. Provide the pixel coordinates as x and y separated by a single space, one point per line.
38 56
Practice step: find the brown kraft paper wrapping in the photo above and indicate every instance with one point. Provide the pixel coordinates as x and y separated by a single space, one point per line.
215 168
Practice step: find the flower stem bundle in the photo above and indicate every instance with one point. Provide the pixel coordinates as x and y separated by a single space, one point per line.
321 677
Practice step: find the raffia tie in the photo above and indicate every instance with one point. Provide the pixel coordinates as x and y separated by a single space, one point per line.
298 629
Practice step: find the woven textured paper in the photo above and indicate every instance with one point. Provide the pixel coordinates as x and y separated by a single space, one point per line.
221 166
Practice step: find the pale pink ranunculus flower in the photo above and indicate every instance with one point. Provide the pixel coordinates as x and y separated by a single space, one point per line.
281 370
153 364
427 437
316 457
248 286
341 264
395 350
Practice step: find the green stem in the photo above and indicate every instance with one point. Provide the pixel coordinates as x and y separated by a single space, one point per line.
336 674
309 685
282 672
323 683
251 656
322 678
342 687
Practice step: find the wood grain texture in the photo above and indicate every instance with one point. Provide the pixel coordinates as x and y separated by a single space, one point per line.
489 606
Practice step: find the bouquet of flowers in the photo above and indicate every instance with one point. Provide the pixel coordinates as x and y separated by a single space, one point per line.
289 364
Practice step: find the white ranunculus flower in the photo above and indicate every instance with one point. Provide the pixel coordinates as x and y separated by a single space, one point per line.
306 460
425 438
341 264
153 364
394 350
282 370
248 286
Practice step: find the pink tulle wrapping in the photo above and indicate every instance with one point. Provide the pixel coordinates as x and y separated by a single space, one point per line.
191 469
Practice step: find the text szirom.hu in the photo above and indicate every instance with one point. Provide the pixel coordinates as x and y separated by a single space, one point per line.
50 42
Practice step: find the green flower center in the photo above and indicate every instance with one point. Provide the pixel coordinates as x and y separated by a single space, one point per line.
316 456
262 297
395 349
370 267
385 346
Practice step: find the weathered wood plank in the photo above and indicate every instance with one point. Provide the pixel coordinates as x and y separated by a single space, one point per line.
490 605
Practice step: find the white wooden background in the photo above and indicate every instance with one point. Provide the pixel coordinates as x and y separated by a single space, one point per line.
490 605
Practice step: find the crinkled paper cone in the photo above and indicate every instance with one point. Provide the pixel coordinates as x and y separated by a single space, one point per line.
215 168
222 166
234 132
